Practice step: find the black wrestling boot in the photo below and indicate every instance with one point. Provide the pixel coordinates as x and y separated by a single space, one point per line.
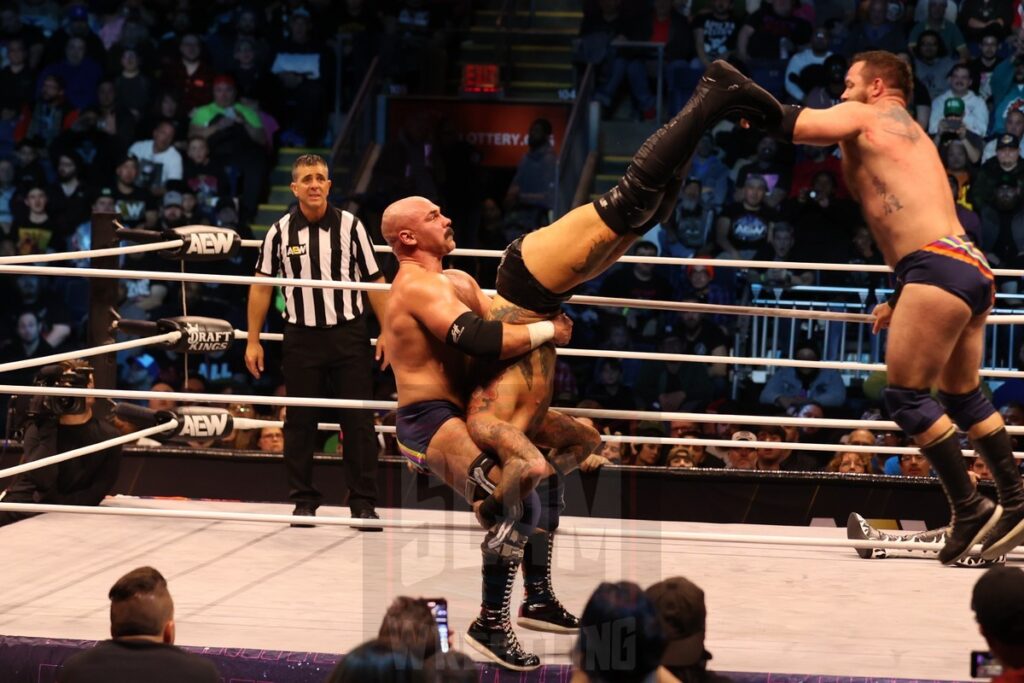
996 449
858 528
973 515
541 610
491 633
722 91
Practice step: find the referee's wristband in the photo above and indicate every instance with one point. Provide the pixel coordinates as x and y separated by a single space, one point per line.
541 332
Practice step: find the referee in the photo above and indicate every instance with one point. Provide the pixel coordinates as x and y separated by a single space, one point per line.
326 346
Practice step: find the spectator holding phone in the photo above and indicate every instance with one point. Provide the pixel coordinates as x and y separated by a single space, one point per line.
953 128
998 604
975 111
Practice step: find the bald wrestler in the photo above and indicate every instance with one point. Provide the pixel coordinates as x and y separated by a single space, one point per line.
435 324
540 271
945 290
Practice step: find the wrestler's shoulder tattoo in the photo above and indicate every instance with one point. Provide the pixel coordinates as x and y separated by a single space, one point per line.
897 120
890 202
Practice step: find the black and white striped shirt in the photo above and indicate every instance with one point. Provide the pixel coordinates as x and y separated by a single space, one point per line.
336 248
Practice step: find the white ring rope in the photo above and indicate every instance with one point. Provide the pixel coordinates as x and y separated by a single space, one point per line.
243 335
694 261
86 353
257 423
86 450
400 524
90 253
713 262
803 314
881 425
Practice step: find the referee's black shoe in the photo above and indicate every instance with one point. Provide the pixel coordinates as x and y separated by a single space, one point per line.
304 510
366 513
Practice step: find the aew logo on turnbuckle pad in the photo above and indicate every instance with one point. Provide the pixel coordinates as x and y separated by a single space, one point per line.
202 339
205 423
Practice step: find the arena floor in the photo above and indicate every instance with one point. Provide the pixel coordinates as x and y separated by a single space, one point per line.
771 608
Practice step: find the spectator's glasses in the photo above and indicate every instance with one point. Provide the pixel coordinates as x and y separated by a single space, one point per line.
909 457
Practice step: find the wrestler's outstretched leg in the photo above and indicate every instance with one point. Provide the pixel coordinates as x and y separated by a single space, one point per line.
585 241
927 312
960 393
928 543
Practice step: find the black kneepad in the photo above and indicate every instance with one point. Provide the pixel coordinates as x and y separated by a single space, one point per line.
914 410
967 409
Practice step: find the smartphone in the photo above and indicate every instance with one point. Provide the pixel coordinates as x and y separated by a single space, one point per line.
439 608
985 665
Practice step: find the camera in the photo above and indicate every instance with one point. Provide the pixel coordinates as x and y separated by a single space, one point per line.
59 376
984 665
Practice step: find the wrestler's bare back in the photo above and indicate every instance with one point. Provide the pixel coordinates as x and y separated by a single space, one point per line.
517 391
892 168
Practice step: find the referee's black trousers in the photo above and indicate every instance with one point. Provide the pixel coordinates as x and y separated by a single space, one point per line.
334 362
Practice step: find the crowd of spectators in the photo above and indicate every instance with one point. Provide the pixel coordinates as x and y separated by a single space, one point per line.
172 113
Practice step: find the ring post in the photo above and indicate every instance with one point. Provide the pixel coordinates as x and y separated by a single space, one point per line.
103 301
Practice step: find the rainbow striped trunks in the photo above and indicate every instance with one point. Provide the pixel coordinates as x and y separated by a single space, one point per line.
953 264
416 425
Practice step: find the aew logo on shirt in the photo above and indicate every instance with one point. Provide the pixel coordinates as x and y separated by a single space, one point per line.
200 338
297 250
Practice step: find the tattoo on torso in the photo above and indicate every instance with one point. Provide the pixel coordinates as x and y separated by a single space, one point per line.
897 121
890 202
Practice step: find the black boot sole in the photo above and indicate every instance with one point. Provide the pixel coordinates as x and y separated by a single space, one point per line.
1005 544
545 626
997 512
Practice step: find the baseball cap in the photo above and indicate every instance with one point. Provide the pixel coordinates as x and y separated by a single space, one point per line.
998 604
738 435
954 107
224 79
682 612
1008 140
172 199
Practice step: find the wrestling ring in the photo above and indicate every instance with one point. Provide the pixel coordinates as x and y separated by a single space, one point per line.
249 587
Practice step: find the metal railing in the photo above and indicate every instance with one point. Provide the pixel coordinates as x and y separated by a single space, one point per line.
579 141
357 134
848 341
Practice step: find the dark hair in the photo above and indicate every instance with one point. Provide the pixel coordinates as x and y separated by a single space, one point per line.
893 71
545 124
451 667
308 160
620 636
953 69
409 624
645 244
940 44
376 662
140 604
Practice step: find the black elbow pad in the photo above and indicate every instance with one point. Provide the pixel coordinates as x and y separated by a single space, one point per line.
475 336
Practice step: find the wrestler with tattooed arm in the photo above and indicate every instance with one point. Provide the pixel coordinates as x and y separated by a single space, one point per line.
435 324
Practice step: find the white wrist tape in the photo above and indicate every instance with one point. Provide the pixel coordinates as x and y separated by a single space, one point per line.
541 332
